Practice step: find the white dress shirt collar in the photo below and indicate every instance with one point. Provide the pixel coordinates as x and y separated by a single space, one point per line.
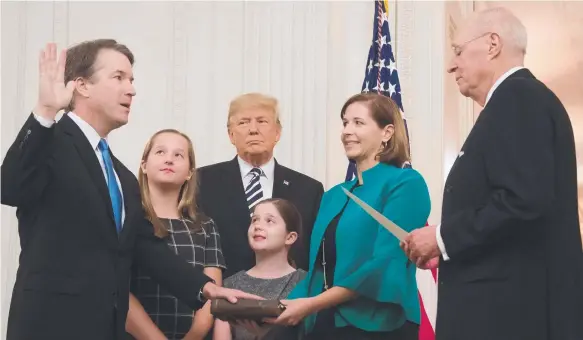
89 132
500 80
267 168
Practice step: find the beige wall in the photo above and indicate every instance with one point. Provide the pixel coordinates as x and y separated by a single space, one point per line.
555 56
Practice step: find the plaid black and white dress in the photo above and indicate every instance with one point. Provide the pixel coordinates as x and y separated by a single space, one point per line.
200 245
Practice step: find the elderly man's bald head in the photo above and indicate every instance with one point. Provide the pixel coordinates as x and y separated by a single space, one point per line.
502 22
488 44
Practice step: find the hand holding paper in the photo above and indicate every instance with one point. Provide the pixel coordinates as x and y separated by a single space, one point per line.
421 247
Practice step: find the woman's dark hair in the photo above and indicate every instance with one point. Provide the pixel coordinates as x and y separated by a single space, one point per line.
293 223
384 111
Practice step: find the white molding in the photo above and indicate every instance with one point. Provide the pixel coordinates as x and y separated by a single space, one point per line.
393 22
14 17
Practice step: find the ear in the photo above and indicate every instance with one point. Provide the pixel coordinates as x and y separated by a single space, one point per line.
231 134
82 87
291 238
495 45
190 173
277 133
143 166
388 132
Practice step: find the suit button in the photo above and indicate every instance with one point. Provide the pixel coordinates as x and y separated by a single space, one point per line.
28 132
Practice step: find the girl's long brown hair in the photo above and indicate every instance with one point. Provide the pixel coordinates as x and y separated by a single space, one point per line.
187 208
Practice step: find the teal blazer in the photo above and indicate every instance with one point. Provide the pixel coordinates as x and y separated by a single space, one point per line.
368 257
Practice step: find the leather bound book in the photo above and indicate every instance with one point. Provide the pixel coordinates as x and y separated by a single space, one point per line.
246 309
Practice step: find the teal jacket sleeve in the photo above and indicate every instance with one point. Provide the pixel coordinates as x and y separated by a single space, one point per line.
384 277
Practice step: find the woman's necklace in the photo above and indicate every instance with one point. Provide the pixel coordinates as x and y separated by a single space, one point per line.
324 262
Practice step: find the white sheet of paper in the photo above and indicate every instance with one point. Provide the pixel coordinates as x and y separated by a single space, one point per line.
393 228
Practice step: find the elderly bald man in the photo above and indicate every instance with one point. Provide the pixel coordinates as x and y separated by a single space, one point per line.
509 247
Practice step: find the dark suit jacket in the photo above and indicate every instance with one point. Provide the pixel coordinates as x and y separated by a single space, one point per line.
222 197
73 278
510 223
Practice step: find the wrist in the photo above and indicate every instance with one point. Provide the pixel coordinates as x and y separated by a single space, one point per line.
315 304
45 112
208 290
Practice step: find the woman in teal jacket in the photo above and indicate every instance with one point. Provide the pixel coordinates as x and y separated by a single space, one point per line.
360 284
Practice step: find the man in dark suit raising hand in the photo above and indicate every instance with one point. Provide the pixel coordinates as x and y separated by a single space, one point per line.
81 223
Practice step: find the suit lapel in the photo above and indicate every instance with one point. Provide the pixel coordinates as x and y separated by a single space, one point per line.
281 183
87 155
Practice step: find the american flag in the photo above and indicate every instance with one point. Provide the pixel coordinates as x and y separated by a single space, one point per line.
381 76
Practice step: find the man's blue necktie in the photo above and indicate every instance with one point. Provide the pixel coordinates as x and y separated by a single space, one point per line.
114 192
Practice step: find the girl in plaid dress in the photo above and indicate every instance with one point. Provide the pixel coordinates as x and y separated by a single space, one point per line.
168 180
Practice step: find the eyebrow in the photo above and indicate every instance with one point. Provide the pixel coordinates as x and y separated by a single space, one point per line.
249 118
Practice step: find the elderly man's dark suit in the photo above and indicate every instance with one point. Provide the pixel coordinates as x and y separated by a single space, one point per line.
510 223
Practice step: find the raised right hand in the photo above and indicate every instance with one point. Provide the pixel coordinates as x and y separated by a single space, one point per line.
53 95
